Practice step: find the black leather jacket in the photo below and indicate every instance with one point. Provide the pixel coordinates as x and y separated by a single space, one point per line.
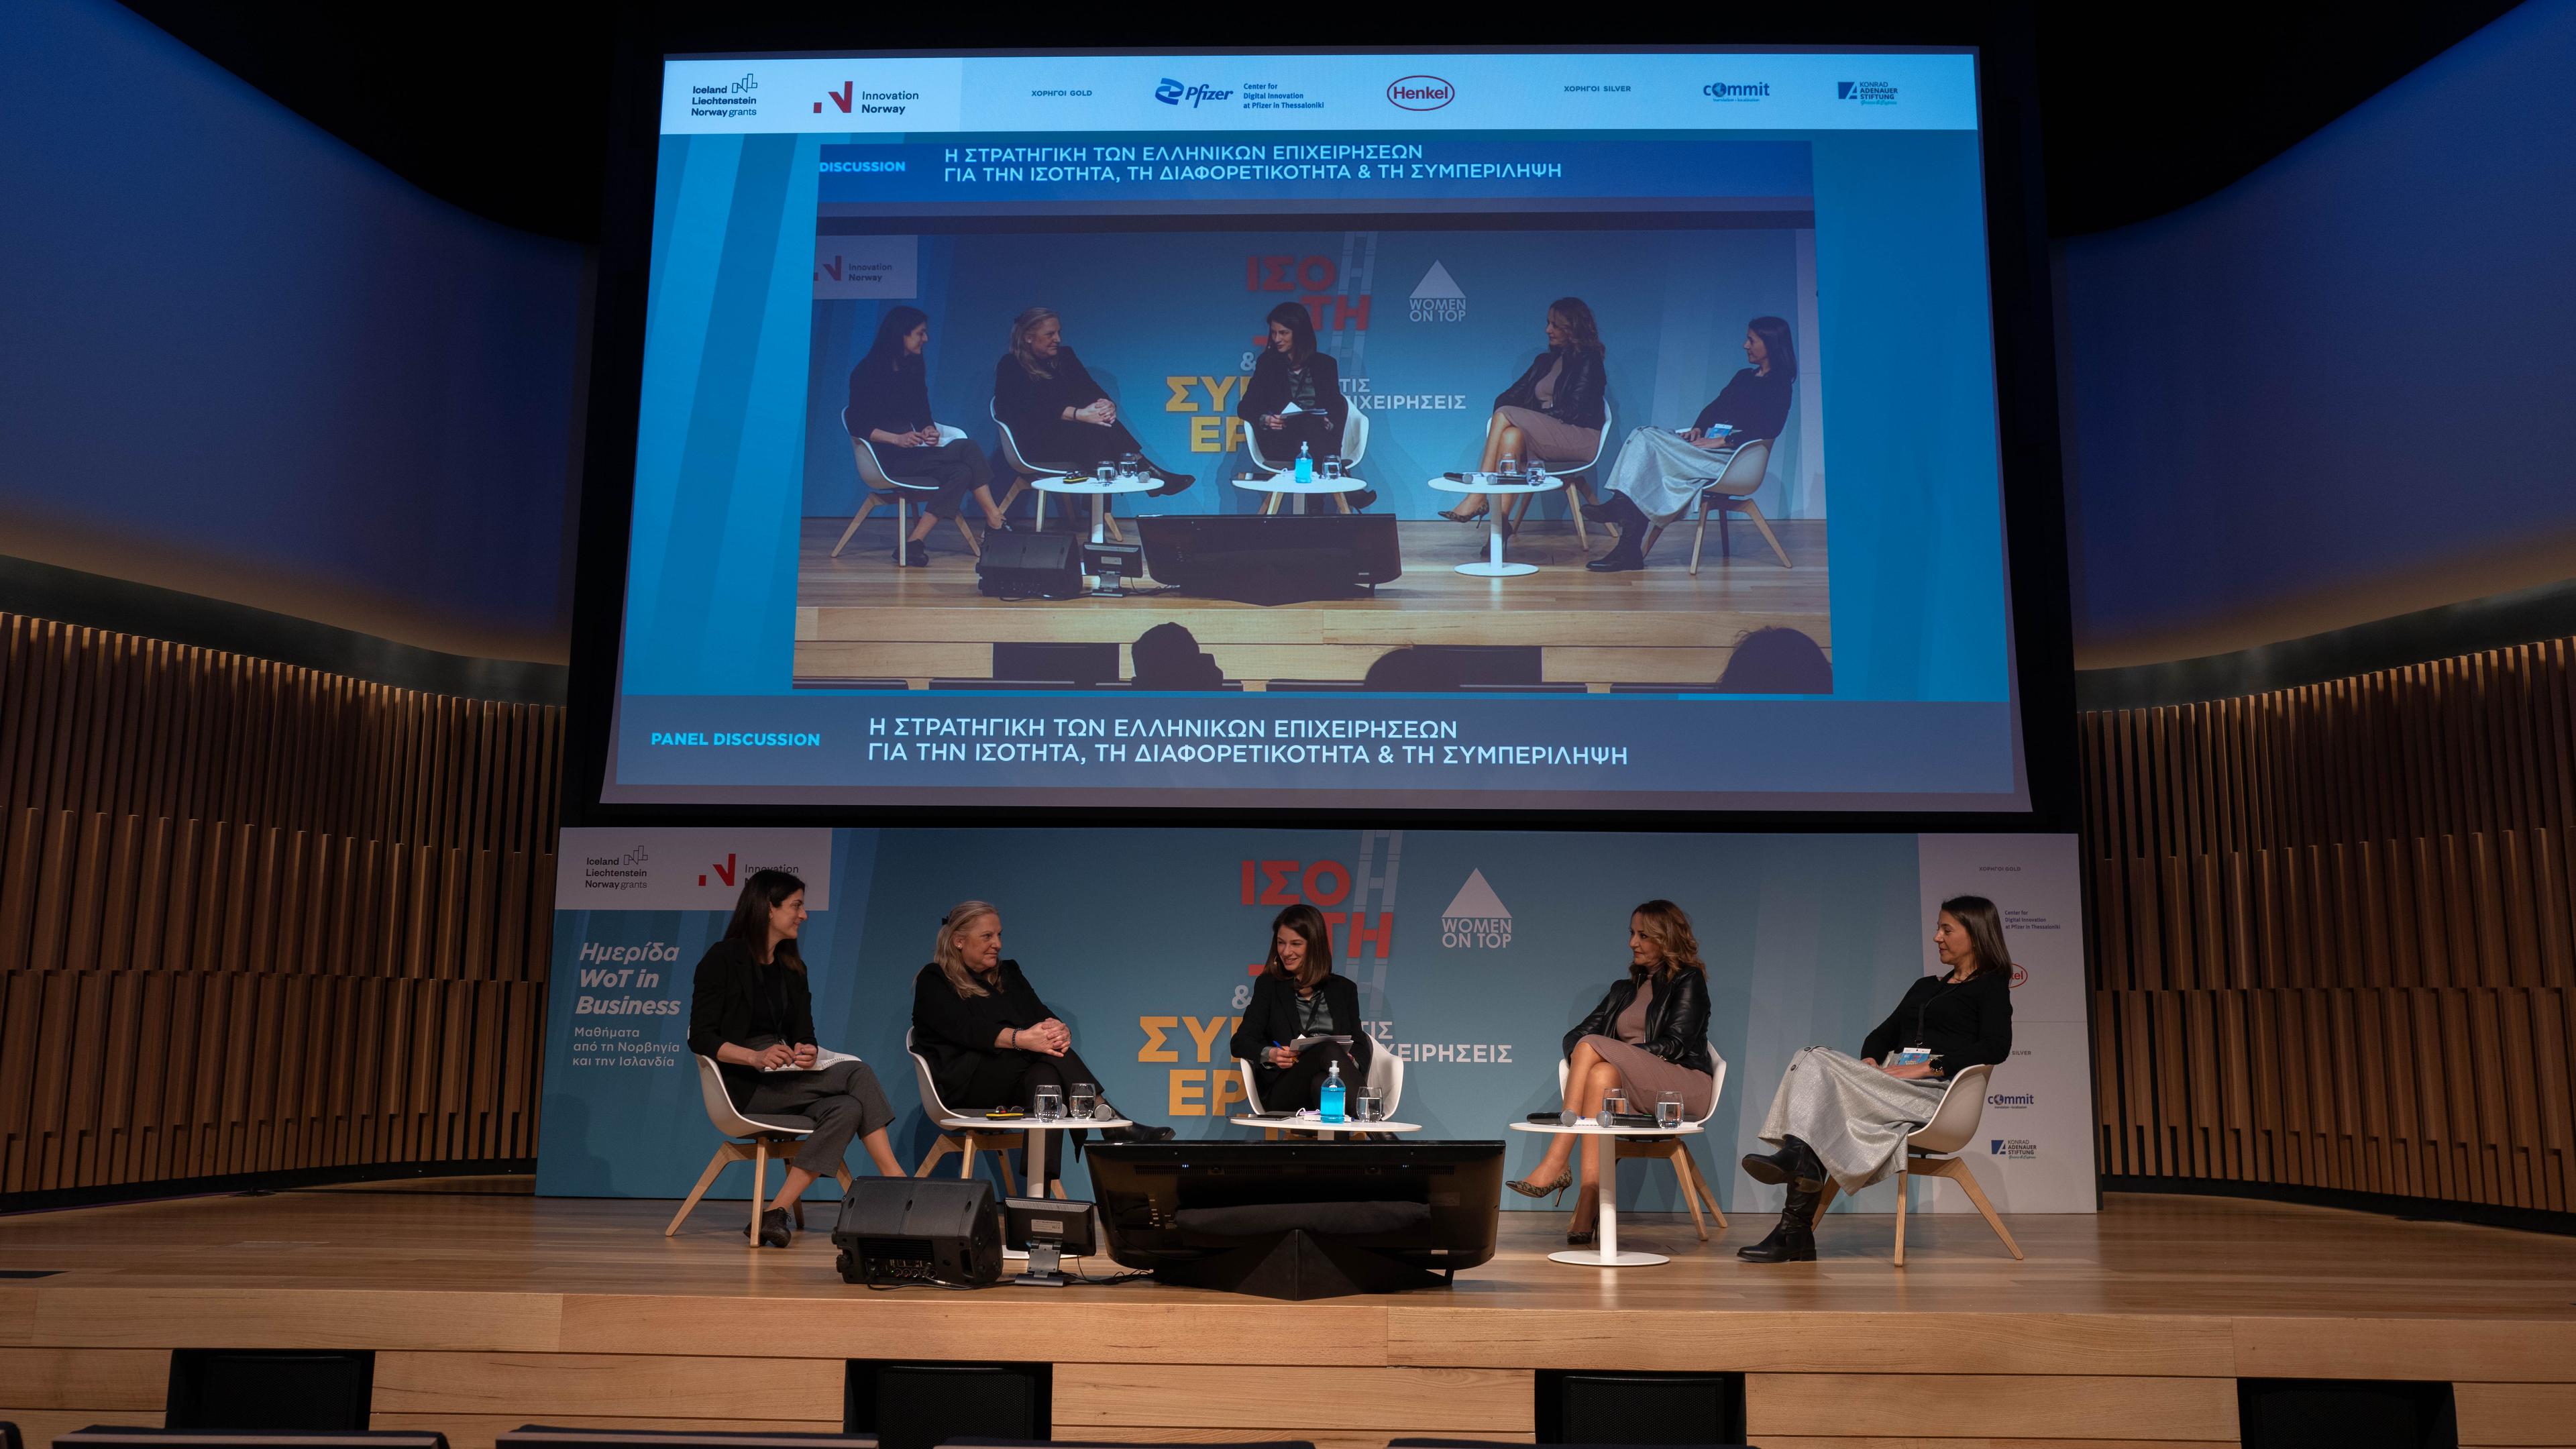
1676 1020
1579 394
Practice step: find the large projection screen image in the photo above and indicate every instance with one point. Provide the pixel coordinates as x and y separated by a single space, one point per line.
1608 432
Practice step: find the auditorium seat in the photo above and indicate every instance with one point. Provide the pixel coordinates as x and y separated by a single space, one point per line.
1933 1147
118 1436
760 1139
551 1436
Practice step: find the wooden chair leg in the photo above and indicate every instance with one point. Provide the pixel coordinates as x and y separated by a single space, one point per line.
1270 506
1960 1173
1699 539
841 1174
1342 501
1753 511
1011 495
1574 497
1111 518
968 534
1680 1158
726 1155
1699 1180
759 1190
1901 1195
1825 1199
1725 541
1002 1164
902 533
1041 523
866 506
939 1149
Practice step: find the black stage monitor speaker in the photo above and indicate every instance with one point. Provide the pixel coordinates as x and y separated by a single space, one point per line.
106 1436
549 1436
2345 1413
1030 566
919 1230
223 1388
921 1405
1266 560
1578 1407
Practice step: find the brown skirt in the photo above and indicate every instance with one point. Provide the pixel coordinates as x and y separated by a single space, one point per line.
1559 445
1647 1074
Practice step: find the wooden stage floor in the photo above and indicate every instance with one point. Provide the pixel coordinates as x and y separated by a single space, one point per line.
859 617
489 1308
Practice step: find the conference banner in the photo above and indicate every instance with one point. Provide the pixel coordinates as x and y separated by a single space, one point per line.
1474 952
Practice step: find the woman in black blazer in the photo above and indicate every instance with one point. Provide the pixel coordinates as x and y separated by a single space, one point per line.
1555 411
1293 370
989 1040
1299 995
1056 413
750 1009
890 408
1648 1035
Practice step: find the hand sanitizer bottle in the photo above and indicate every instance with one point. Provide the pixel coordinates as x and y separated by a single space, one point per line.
1305 465
1331 1101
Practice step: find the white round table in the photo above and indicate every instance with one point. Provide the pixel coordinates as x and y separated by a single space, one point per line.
1351 1128
1099 490
1279 485
1605 1253
1491 566
1036 1130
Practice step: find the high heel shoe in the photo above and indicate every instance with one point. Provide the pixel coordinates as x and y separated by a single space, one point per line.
1526 1188
1454 516
1578 1237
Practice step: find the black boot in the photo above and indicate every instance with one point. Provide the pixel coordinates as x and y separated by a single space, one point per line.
1793 1239
1362 498
1141 1132
774 1231
1628 557
1795 1162
1171 482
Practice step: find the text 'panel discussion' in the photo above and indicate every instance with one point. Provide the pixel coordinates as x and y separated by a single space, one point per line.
793 727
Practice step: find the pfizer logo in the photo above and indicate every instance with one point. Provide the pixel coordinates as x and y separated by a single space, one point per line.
1421 93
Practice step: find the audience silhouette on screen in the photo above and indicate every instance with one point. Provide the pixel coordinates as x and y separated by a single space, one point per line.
1777 661
1168 657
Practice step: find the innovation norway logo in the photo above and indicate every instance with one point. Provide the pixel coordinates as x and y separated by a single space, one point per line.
1477 919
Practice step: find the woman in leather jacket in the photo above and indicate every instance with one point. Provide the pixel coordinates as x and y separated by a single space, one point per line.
1555 411
1648 1035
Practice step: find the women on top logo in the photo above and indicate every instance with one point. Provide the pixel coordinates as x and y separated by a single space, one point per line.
1477 919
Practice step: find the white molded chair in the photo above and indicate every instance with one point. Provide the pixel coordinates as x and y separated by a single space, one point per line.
1386 1074
1355 437
881 488
777 1134
1731 491
958 1133
1574 496
1932 1148
1676 1150
1025 473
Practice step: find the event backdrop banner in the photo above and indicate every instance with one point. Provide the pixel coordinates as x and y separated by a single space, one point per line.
1474 952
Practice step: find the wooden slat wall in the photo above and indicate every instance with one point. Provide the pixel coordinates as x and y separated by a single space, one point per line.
2332 930
256 917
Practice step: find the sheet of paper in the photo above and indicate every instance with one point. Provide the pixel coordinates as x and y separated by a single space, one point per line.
824 1058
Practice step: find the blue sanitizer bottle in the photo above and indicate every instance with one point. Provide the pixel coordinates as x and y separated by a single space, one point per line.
1305 465
1331 1101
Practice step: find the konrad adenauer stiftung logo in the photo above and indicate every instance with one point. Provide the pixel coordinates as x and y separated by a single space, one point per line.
1477 919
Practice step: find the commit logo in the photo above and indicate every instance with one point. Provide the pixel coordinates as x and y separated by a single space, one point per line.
1476 919
1439 298
1421 92
1721 91
2010 1100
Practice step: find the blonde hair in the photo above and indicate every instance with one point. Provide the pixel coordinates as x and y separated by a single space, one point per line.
1669 927
1021 326
944 953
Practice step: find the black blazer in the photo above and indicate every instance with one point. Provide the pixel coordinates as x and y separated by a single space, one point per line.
1758 406
1965 1023
894 400
1676 1020
1580 388
955 1033
1272 1016
1033 405
1267 391
721 1005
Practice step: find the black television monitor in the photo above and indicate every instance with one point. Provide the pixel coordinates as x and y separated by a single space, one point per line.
1299 1219
1272 559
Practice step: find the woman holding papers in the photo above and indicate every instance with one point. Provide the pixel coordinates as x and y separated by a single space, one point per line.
1555 411
751 1011
1648 1035
1659 473
1057 414
1297 997
890 408
1847 1117
1295 395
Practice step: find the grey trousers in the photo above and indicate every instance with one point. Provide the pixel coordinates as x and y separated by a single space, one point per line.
843 1099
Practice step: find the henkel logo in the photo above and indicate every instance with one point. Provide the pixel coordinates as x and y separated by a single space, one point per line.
1172 93
1421 92
1477 919
2020 973
1439 298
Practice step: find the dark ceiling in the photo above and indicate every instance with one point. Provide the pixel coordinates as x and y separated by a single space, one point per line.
2145 107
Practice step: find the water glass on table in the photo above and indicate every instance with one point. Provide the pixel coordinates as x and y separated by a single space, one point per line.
1049 1104
1372 1105
1082 1100
1668 1109
1613 1103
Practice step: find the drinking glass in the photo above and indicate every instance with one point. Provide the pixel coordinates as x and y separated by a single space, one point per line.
1668 1109
1050 1104
1082 1099
1613 1102
1507 464
1372 1105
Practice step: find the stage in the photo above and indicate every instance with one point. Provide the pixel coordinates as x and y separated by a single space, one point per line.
489 1308
859 617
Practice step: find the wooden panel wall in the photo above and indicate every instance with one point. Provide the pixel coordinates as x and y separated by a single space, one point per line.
2332 930
255 917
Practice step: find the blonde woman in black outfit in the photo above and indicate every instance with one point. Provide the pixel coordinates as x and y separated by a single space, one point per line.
1847 1117
1300 995
988 1038
1555 411
750 1009
1057 414
1649 1034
